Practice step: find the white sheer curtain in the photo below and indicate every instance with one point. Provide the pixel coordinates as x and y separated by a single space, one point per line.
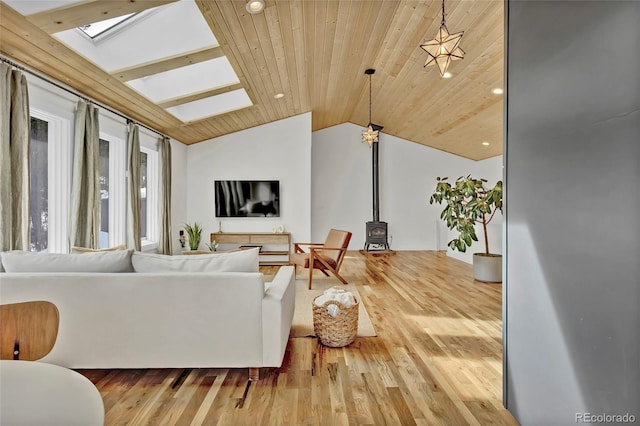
14 160
134 234
164 151
85 188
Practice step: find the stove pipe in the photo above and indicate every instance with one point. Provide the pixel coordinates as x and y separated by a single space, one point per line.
377 231
376 180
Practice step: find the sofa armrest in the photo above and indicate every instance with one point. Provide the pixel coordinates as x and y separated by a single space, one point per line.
278 305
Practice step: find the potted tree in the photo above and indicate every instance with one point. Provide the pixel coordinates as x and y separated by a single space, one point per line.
194 234
470 201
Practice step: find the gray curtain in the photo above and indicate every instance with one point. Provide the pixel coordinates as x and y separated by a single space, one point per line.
134 234
164 151
15 132
85 187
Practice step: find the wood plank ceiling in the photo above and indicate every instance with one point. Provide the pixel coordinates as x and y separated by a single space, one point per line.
315 53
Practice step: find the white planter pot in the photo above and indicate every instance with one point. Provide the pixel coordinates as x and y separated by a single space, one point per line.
487 268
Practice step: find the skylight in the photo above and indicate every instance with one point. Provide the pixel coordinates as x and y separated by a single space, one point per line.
98 28
174 51
214 105
186 80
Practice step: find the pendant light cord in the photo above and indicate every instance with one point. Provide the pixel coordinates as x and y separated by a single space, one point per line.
442 12
369 99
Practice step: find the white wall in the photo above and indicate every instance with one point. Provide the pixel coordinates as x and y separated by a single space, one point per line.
178 192
572 282
47 97
491 170
276 151
342 187
340 183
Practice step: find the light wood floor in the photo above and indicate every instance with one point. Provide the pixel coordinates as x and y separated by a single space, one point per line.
437 360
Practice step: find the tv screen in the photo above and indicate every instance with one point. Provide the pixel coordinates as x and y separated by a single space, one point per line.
247 198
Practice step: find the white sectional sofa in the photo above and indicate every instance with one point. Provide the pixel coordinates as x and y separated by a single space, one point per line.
159 319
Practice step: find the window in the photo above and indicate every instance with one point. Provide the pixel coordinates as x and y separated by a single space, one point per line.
113 191
104 193
143 195
39 182
148 197
98 28
50 181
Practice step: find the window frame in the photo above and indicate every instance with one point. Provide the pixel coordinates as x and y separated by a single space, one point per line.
151 240
59 178
117 187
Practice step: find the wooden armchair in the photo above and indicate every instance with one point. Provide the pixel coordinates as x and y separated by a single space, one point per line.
28 330
324 257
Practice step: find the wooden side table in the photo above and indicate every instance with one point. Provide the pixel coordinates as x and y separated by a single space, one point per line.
282 240
197 252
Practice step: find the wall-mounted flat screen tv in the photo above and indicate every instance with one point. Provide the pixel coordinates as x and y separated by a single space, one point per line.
247 198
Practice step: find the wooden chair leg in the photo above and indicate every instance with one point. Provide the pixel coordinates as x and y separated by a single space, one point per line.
254 374
311 260
331 269
340 277
324 272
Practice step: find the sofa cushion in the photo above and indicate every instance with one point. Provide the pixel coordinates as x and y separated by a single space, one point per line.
107 261
237 261
76 249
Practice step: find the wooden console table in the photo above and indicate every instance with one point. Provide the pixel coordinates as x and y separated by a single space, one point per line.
258 239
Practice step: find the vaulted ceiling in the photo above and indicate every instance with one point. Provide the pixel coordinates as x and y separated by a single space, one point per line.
313 52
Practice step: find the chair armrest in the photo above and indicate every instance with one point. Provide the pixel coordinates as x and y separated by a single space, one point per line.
314 249
299 249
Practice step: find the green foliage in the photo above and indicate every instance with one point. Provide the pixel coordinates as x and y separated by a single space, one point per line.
212 246
194 233
467 202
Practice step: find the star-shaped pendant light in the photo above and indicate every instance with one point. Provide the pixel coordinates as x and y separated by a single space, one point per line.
370 136
444 48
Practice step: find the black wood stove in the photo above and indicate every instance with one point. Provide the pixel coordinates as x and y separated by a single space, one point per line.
377 232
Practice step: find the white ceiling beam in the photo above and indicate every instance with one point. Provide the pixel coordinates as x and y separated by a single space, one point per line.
167 64
88 12
180 100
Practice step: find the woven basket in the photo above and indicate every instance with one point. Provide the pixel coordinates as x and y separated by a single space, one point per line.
335 332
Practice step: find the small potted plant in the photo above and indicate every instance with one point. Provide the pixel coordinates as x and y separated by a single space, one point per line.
194 234
470 201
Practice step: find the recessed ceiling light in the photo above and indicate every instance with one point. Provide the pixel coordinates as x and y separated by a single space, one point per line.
447 75
497 91
486 143
279 95
254 6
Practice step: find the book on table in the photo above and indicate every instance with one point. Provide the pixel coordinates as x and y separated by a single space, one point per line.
250 246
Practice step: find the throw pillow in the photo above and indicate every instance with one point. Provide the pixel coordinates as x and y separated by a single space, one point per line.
76 249
237 261
108 261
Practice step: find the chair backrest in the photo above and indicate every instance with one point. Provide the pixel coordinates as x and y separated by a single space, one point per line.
28 330
336 239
